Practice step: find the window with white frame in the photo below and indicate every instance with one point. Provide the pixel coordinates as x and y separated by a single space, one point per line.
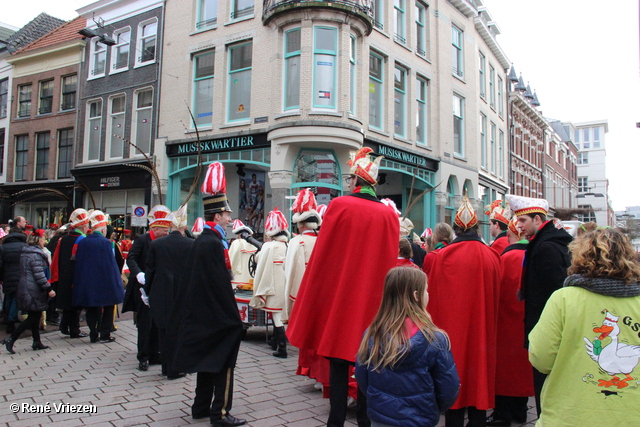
65 153
493 147
481 75
94 130
583 184
240 66
203 75
483 141
352 75
492 87
292 69
22 158
4 96
596 137
325 51
241 9
120 52
24 100
500 99
400 101
576 136
583 158
142 121
376 93
501 154
378 14
590 216
421 29
115 133
207 14
456 54
98 62
421 111
458 125
43 140
147 42
46 97
399 21
69 89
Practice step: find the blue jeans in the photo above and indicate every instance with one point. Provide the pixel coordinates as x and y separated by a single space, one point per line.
12 307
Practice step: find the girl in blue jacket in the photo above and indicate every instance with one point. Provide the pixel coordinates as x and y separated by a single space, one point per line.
404 366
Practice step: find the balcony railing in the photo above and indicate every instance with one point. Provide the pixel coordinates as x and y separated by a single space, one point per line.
363 8
206 24
247 11
398 38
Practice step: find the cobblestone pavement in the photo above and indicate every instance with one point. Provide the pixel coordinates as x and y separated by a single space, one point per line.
267 393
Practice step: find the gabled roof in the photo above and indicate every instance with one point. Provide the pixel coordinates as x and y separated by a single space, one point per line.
559 129
38 27
66 32
6 31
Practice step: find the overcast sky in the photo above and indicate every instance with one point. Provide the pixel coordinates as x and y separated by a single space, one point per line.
581 56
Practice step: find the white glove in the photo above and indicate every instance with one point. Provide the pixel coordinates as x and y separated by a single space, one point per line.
144 297
140 278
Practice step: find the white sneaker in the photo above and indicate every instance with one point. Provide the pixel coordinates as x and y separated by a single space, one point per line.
317 386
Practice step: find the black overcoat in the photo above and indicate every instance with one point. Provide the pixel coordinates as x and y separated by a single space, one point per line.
166 262
66 270
136 261
205 325
10 252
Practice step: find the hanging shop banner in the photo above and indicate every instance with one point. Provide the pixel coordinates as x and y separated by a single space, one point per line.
243 142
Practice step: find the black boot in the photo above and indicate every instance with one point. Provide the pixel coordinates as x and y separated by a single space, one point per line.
273 342
11 326
281 338
8 343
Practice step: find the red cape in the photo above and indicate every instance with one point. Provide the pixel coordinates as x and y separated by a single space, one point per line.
500 244
463 300
514 376
342 286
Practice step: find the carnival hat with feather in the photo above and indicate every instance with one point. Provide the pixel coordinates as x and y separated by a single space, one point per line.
466 216
321 210
159 216
178 217
198 226
362 166
497 212
239 227
275 223
513 227
214 189
304 209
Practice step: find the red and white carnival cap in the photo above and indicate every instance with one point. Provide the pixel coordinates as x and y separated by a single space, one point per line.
426 233
497 212
159 216
275 223
321 210
98 219
391 204
79 217
514 228
214 188
238 227
466 216
304 209
198 226
361 165
527 205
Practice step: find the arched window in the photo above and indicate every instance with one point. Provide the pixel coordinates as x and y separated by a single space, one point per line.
319 170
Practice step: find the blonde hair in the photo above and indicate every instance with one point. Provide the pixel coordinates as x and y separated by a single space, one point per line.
587 227
385 342
442 232
604 252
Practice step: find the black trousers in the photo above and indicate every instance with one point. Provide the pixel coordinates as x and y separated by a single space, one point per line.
31 322
148 347
100 321
538 382
71 321
455 417
217 386
511 408
338 394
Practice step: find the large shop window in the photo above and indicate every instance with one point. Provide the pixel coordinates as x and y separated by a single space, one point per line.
376 94
352 75
142 121
400 101
116 127
207 14
292 69
324 67
65 153
318 170
94 130
203 88
22 154
42 155
240 67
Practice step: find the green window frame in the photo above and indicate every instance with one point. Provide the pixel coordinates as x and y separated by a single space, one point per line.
239 82
400 101
421 111
292 57
207 14
203 78
352 74
457 46
325 53
376 91
483 141
399 22
421 30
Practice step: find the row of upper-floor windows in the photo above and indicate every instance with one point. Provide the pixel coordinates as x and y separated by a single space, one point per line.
492 147
586 138
496 90
112 115
44 97
63 156
117 58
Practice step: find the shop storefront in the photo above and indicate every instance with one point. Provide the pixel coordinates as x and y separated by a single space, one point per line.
40 203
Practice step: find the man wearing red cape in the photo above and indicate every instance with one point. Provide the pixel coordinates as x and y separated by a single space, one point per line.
342 287
463 300
514 376
498 217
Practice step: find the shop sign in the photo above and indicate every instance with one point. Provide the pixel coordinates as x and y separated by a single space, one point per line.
218 145
109 182
139 215
396 154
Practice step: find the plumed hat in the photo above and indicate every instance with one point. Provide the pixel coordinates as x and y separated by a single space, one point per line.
214 189
159 216
405 227
126 232
198 226
426 233
361 165
275 223
79 217
321 210
466 216
98 219
526 205
497 212
415 238
179 218
391 204
513 227
304 208
239 227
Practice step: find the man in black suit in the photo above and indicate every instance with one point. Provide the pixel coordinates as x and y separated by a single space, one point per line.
205 323
164 270
148 350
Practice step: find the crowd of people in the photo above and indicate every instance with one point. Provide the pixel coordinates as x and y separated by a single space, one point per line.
406 328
